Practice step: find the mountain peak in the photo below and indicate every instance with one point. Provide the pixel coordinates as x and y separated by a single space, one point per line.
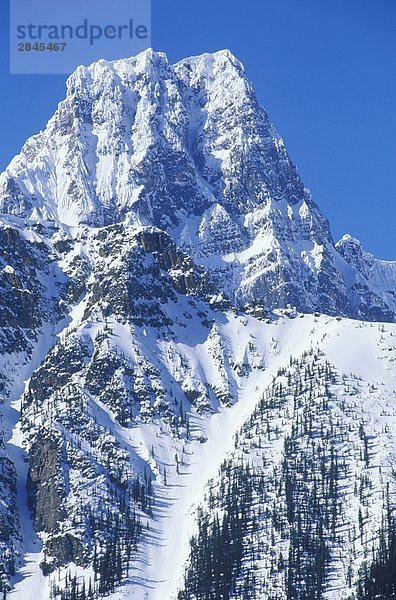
223 57
349 240
188 149
197 119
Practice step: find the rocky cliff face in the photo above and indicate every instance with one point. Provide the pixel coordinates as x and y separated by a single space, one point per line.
160 261
375 277
10 536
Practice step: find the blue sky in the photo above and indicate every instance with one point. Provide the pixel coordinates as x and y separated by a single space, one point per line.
325 72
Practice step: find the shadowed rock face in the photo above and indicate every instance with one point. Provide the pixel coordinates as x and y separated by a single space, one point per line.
65 549
10 538
20 304
46 483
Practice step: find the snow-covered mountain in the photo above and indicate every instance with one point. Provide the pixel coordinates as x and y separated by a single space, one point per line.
188 149
197 383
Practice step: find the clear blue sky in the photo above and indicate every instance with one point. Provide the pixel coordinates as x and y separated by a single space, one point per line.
325 70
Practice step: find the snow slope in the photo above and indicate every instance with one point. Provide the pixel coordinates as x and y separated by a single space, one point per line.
367 351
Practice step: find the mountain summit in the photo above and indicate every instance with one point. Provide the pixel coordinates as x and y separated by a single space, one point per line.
188 149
